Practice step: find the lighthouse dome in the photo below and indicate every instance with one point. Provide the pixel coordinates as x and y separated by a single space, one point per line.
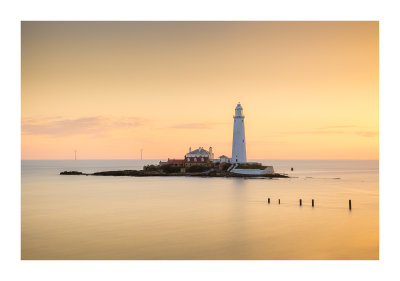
239 110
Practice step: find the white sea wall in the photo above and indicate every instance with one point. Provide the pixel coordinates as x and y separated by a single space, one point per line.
267 170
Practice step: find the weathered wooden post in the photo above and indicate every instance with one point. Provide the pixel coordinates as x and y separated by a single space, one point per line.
291 169
312 202
269 200
279 201
349 204
300 202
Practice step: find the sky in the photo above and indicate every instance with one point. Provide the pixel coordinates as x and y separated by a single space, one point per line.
309 90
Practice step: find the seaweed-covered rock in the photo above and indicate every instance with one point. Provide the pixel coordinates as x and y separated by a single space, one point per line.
142 173
119 173
71 173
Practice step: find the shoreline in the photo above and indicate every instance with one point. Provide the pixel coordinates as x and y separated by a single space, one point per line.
141 173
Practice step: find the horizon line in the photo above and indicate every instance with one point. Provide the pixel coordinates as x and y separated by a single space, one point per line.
153 159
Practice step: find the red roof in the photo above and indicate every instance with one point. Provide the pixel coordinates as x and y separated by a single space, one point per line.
175 161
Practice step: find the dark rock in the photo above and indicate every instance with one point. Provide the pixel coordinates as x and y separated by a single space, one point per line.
71 173
160 173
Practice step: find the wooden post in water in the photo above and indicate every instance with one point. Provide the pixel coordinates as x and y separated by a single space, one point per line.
268 200
312 202
349 204
279 201
300 202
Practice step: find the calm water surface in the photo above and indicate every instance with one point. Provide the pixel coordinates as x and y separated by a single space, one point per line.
88 217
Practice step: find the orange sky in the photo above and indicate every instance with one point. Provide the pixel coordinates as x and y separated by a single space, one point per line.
309 90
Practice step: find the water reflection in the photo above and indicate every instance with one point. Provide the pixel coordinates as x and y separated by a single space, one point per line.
199 218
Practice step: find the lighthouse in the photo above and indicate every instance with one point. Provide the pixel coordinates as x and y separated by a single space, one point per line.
239 142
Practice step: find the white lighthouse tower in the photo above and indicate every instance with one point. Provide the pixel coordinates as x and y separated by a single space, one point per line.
239 142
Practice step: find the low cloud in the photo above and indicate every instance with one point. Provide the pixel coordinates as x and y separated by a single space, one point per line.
60 127
329 130
206 125
367 134
322 132
338 132
337 127
263 143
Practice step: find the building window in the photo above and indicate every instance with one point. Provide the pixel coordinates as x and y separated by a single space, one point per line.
188 159
195 159
202 159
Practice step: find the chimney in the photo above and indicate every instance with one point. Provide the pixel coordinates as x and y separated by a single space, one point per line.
190 149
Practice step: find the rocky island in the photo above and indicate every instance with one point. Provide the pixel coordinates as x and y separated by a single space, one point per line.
171 170
163 171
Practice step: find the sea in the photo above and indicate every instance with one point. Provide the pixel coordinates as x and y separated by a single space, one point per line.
65 217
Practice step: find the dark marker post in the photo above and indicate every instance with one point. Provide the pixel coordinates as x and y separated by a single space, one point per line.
279 201
300 202
268 200
312 202
349 204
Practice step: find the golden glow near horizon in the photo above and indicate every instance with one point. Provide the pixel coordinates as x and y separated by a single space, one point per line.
309 90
